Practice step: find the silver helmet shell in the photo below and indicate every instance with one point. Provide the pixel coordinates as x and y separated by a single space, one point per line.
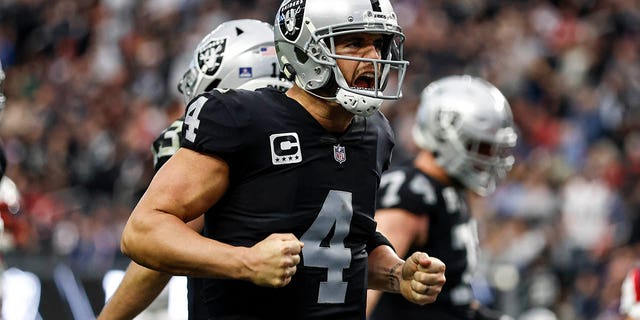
238 54
467 124
304 37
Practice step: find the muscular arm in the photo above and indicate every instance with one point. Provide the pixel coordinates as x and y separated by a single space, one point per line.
156 235
139 288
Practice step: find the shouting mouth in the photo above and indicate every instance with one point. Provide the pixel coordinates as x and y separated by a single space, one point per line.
365 82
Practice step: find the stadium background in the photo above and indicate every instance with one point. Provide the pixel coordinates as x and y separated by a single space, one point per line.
91 83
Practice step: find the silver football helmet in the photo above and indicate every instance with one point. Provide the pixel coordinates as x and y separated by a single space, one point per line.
467 124
238 54
304 35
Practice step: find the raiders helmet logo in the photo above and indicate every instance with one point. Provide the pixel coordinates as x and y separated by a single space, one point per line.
210 56
290 19
445 120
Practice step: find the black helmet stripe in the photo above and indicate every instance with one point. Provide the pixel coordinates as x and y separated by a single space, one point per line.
375 5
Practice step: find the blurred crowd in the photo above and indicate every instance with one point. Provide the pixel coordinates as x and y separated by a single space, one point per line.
91 83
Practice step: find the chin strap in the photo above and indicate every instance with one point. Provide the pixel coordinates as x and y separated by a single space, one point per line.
358 104
289 72
301 86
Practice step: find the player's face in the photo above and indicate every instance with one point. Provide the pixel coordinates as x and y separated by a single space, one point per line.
359 74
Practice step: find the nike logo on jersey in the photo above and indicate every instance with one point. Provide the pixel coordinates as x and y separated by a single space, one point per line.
285 148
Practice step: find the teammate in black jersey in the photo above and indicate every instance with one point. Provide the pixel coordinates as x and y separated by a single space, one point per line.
464 129
288 182
246 45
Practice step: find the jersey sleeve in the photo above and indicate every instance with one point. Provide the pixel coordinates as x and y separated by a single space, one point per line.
376 240
166 144
386 142
214 124
390 138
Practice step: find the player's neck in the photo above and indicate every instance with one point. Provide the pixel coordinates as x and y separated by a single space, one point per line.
331 116
426 163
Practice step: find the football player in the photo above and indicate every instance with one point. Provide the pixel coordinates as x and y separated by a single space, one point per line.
288 181
236 54
465 132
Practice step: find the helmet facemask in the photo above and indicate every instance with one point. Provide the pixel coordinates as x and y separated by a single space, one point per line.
383 69
480 164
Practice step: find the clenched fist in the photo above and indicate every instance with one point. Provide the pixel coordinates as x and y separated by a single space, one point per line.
422 278
272 262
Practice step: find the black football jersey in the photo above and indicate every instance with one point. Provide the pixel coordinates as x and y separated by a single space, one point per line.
452 236
288 174
166 144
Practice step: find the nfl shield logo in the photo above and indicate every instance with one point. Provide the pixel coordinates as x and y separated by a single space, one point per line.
339 153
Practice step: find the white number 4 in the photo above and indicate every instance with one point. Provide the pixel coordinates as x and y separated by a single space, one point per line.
191 118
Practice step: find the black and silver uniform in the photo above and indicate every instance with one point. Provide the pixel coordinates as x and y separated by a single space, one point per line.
288 174
452 237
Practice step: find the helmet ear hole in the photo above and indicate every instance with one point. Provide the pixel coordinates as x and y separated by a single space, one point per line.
300 55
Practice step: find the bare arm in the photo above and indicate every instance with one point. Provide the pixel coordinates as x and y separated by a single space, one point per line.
156 235
139 288
402 229
384 270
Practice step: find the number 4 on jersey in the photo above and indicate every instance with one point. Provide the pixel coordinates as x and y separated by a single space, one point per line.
191 120
336 214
